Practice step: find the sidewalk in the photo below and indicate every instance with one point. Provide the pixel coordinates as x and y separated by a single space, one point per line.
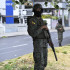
25 33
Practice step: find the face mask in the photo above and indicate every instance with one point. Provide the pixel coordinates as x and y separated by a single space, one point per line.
37 13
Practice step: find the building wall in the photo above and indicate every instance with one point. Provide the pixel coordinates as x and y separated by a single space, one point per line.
24 13
2 4
2 7
16 10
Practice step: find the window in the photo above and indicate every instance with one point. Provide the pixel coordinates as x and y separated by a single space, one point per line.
16 20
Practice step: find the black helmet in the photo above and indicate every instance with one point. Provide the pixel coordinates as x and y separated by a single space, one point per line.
36 6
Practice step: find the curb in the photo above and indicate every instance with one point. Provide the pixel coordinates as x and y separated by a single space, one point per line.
13 34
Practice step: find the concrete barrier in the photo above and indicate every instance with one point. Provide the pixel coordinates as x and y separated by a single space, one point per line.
15 28
2 29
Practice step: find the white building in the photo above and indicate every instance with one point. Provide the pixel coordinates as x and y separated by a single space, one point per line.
20 14
17 12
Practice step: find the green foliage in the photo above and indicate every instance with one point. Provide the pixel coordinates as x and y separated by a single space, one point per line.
49 16
68 1
54 17
13 0
68 9
56 6
10 62
65 52
19 2
7 67
55 0
4 36
16 2
19 57
46 3
46 16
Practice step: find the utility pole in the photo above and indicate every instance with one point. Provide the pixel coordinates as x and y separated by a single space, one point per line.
33 2
63 17
20 13
0 16
69 18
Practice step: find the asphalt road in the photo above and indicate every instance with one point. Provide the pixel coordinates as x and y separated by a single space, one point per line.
16 46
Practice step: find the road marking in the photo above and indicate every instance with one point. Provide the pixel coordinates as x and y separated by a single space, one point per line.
13 50
14 46
10 51
27 37
15 55
20 45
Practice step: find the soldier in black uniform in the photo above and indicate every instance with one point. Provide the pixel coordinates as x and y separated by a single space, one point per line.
36 28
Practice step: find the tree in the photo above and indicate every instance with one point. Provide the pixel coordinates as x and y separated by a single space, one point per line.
18 2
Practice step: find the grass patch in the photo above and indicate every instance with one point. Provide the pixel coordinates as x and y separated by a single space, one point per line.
65 52
4 36
26 62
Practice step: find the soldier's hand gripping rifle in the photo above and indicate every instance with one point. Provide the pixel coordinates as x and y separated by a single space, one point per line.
47 35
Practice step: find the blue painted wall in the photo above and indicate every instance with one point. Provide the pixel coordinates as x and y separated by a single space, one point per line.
9 12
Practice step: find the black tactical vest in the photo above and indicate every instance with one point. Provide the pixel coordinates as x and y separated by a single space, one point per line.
39 23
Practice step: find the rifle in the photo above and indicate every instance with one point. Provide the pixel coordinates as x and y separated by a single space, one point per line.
52 46
47 35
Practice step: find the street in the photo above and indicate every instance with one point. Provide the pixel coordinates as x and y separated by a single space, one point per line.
16 46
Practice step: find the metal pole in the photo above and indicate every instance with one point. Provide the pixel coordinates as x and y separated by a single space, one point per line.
20 13
1 20
33 2
23 7
69 17
63 17
0 17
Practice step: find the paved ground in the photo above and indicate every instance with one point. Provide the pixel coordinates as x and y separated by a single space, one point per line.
15 46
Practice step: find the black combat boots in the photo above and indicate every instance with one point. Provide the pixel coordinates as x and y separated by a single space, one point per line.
60 45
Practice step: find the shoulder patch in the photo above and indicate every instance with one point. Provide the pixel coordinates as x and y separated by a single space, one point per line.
33 22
